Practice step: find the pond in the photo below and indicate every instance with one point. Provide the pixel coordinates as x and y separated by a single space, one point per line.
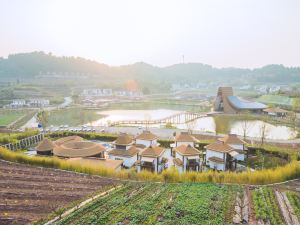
204 124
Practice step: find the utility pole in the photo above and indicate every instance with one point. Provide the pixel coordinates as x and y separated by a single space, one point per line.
182 59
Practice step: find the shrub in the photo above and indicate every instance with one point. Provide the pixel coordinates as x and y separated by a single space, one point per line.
14 137
90 136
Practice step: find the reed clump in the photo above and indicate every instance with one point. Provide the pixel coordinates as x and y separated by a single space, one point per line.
265 176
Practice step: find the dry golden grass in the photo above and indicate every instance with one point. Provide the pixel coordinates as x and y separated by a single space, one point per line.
267 176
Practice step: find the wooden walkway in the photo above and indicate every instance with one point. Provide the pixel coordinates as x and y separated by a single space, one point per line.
179 118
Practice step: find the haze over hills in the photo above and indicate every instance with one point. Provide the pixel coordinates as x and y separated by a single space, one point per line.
29 65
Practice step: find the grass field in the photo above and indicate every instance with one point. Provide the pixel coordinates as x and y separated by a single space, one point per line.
277 100
8 116
160 204
73 116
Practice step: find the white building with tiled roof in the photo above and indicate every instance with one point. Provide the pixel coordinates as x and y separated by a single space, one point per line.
125 150
237 144
151 158
146 139
187 158
184 138
220 156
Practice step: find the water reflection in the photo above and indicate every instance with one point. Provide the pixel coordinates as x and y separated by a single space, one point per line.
205 124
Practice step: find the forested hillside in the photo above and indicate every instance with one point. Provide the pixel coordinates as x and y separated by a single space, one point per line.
28 65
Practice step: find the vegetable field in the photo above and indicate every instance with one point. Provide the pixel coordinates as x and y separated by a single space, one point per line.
160 204
266 207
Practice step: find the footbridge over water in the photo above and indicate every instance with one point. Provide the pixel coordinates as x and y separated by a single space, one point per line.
179 118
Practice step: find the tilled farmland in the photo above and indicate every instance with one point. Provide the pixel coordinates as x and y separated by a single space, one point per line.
190 204
29 193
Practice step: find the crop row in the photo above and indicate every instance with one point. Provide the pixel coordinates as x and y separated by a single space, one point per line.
295 202
266 207
159 204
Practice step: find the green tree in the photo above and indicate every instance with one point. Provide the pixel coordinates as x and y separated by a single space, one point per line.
43 118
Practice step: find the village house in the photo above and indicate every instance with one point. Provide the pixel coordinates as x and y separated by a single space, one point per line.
187 158
18 103
221 156
125 150
38 103
146 139
151 158
237 144
277 112
184 138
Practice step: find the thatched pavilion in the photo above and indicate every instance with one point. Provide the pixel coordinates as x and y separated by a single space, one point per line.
45 147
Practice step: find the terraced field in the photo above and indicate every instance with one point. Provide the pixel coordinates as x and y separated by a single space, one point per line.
29 193
160 204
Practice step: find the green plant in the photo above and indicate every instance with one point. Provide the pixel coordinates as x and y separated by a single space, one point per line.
295 202
266 207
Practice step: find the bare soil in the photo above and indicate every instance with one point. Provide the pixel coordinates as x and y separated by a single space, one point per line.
29 193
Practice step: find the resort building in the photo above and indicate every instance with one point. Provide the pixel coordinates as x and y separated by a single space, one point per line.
75 149
278 112
227 102
146 139
124 150
45 147
65 140
221 156
187 158
237 144
151 158
184 138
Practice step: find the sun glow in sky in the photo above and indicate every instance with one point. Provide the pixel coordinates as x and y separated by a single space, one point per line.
239 33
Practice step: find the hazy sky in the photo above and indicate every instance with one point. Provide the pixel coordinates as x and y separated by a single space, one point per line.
239 33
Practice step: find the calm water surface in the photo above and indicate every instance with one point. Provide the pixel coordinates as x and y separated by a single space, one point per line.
205 124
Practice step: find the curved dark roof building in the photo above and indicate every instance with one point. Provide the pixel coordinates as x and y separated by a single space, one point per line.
239 103
227 102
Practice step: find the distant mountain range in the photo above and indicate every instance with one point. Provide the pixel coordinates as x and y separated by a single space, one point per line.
29 65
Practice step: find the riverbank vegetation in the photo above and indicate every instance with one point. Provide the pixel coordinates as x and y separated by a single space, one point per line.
73 116
225 121
265 176
6 138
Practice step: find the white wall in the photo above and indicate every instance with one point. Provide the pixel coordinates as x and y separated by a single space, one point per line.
218 166
147 143
240 157
127 161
